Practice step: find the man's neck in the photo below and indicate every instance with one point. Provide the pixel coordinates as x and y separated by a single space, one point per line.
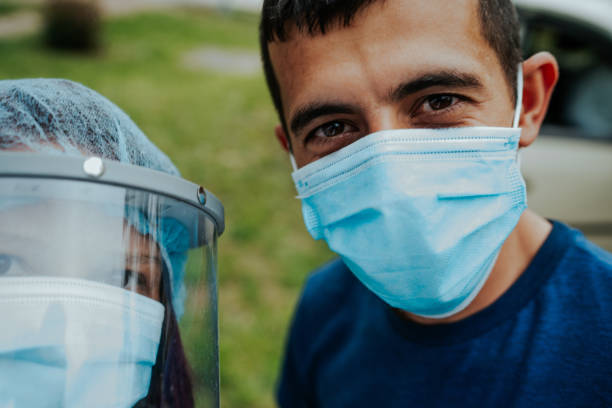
515 256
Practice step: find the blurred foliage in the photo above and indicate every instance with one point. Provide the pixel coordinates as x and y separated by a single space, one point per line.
72 24
218 129
13 6
7 8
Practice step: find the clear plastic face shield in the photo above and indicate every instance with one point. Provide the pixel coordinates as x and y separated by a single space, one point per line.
108 294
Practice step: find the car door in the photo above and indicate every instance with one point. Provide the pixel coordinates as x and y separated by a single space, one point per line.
568 170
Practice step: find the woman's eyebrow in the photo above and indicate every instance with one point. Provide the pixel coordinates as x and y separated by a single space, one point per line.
143 259
310 112
449 79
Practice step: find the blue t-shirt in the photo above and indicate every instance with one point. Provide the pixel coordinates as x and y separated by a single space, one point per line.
546 342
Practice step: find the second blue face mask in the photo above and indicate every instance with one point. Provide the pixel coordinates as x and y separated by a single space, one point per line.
418 215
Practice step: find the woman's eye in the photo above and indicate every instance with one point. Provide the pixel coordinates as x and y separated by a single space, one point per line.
5 264
439 102
333 129
11 266
132 279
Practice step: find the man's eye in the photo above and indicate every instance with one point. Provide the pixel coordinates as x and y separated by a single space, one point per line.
439 102
333 129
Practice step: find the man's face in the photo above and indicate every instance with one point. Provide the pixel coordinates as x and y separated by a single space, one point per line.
401 64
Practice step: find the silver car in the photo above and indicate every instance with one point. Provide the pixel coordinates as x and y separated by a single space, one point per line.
568 169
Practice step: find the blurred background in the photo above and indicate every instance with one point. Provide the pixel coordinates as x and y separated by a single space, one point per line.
188 73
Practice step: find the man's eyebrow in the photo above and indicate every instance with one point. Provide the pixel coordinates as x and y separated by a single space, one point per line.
308 113
442 78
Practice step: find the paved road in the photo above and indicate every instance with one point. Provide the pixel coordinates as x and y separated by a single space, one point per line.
247 5
19 24
114 7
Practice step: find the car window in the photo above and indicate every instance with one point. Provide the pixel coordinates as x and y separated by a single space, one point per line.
581 105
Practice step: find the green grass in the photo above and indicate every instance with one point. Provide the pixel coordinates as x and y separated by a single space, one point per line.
218 130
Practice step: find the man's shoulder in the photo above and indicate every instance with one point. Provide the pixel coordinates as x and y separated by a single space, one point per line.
583 256
599 257
584 274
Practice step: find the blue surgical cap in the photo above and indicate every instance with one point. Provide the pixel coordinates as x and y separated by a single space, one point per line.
57 116
61 116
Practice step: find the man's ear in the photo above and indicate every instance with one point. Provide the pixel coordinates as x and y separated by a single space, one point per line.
540 73
282 137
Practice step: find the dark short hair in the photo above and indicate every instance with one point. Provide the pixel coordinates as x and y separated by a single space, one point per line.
498 18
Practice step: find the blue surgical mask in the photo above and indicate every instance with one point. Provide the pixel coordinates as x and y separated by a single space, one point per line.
74 343
418 215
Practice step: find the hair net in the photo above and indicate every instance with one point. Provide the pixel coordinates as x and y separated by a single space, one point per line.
58 116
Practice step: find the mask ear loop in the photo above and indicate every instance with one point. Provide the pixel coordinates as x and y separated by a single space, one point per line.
519 97
519 108
293 164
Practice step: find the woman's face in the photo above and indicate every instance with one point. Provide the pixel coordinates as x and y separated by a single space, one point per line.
80 240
